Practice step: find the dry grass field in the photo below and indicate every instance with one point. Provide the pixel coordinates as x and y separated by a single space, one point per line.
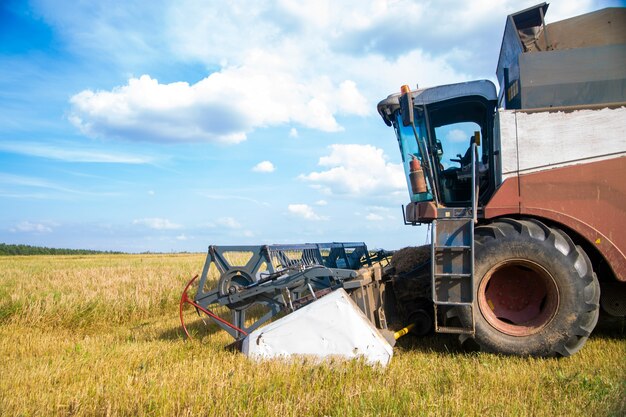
99 335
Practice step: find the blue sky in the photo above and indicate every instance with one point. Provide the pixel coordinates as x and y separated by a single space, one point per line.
169 126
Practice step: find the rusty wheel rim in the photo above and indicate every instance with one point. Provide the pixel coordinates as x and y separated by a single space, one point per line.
518 297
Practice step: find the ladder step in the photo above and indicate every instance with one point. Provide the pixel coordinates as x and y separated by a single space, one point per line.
452 303
452 275
454 330
453 247
453 242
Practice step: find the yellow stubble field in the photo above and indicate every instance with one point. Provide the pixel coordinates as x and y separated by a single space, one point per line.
100 335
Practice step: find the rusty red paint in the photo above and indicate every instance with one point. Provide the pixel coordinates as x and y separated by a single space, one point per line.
504 201
422 212
518 297
589 198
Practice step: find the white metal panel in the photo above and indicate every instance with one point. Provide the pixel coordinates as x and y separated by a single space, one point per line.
556 138
332 326
506 131
535 141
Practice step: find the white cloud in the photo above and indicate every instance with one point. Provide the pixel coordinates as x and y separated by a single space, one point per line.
457 136
357 170
35 182
48 189
228 222
69 153
264 166
305 211
351 101
147 110
29 227
374 217
274 63
216 195
293 132
321 203
182 237
157 223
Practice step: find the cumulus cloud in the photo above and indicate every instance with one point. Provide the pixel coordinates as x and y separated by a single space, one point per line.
148 110
293 132
157 223
30 227
276 63
356 170
389 28
264 166
305 211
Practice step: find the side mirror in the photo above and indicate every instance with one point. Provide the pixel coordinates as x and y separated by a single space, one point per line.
406 106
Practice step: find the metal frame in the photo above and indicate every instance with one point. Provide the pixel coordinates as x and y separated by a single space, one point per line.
277 277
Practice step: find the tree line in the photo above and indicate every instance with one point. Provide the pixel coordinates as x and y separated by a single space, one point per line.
7 249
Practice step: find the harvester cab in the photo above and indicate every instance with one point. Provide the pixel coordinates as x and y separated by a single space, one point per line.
436 128
431 125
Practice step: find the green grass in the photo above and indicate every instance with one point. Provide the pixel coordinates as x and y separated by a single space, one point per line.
99 335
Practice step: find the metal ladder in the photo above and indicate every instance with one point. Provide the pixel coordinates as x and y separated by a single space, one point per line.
453 258
453 268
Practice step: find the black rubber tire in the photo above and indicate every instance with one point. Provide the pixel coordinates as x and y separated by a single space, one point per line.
571 318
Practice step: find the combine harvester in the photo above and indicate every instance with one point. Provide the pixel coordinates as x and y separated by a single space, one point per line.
526 222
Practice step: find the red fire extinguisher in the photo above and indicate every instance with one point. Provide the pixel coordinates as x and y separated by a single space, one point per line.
416 176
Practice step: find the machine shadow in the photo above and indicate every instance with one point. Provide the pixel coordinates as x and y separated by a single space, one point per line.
610 328
199 328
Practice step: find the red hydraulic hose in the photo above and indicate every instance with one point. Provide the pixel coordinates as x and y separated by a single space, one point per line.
185 299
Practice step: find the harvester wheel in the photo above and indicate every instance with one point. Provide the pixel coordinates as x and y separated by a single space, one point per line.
536 292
